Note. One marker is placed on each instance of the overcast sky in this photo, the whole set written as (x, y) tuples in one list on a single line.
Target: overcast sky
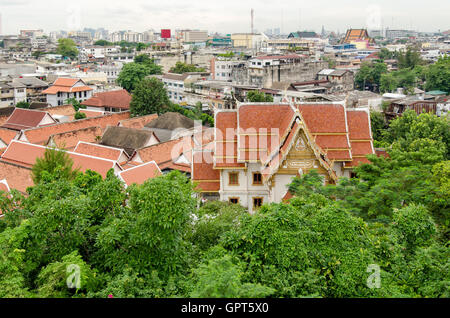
[(223, 16)]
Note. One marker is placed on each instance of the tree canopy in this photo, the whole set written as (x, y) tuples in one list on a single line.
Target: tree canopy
[(149, 97), (78, 235), (181, 68)]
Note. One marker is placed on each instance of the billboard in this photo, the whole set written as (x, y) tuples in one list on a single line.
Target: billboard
[(166, 34)]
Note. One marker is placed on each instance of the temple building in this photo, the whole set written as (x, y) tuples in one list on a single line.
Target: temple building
[(259, 147)]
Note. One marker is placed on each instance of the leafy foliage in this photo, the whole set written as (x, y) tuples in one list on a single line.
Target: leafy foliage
[(67, 48), (259, 97), (181, 68), (55, 163), (149, 97)]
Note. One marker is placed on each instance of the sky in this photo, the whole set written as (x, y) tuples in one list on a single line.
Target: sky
[(224, 16)]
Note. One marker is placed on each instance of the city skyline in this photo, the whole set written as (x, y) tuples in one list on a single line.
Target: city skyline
[(232, 16)]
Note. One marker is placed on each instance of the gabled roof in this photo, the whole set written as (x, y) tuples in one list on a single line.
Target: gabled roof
[(66, 85), (203, 172), (171, 121), (101, 151), (18, 177), (7, 135), (126, 138), (113, 99), (41, 135), (138, 122), (22, 119), (360, 136), (25, 155), (140, 174), (69, 140), (4, 186)]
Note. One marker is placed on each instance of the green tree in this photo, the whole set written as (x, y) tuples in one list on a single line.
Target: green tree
[(131, 75), (149, 97), (67, 48), (75, 103), (103, 43), (259, 97), (55, 163)]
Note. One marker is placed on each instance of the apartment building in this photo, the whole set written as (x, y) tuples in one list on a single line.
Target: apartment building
[(12, 93)]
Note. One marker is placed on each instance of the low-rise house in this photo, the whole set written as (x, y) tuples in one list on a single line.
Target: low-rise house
[(128, 139), (342, 80), (140, 174), (18, 177), (65, 88), (22, 119), (259, 148), (112, 102)]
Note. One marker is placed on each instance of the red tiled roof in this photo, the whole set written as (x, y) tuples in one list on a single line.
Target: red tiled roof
[(25, 119), (100, 151), (140, 174), (41, 135), (25, 155), (92, 113), (7, 135), (114, 99), (69, 140), (165, 153), (4, 186), (138, 122), (18, 177)]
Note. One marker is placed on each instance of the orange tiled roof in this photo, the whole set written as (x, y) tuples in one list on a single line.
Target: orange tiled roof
[(203, 172), (140, 174), (100, 151), (7, 135), (41, 135), (138, 122), (25, 155), (25, 119), (360, 136), (92, 113), (114, 99), (69, 140), (164, 154), (18, 177)]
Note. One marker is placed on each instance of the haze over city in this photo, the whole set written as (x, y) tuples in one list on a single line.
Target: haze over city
[(224, 17)]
